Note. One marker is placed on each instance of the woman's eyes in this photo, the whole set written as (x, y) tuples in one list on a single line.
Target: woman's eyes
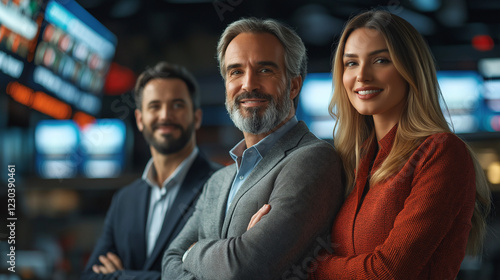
[(351, 63), (382, 60)]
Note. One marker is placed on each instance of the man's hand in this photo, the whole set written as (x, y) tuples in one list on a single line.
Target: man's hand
[(257, 216), (110, 264)]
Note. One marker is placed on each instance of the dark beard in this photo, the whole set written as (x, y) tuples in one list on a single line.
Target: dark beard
[(171, 145)]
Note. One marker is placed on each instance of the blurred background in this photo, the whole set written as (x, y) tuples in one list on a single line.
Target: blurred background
[(66, 111)]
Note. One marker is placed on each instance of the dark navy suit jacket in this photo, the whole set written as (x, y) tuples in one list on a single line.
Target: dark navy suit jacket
[(124, 230)]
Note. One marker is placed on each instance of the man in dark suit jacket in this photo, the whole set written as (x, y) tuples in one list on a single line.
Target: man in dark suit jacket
[(145, 216), (280, 167)]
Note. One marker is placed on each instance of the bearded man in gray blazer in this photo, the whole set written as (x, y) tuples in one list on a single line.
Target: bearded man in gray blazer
[(280, 167)]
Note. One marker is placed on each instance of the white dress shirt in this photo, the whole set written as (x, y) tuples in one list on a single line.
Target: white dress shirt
[(161, 199)]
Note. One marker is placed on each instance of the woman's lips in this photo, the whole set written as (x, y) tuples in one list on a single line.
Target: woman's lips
[(367, 93)]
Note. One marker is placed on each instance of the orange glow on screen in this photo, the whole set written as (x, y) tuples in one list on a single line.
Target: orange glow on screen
[(39, 101), (83, 119)]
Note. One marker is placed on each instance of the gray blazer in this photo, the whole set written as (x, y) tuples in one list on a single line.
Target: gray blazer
[(300, 178)]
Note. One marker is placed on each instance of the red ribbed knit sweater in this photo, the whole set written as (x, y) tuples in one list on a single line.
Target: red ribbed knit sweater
[(415, 225)]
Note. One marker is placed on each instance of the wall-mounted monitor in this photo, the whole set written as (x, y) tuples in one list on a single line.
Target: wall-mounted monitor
[(313, 104), (103, 148), (64, 150), (54, 48), (463, 94), (492, 103), (56, 144)]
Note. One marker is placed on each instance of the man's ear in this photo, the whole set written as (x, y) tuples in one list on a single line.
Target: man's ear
[(138, 119), (295, 86), (198, 117)]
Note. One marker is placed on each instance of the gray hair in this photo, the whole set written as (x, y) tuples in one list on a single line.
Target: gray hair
[(295, 51)]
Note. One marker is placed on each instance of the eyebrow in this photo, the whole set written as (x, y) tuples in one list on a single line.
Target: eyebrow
[(370, 54), (153, 102), (156, 101), (261, 63), (179, 100), (268, 63), (232, 66)]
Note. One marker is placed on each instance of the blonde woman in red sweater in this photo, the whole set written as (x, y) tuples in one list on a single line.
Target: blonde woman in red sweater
[(417, 198)]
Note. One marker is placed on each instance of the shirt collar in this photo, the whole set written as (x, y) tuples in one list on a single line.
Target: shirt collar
[(178, 176), (265, 144)]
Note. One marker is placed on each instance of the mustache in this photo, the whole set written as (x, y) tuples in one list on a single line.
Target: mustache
[(156, 126), (254, 94)]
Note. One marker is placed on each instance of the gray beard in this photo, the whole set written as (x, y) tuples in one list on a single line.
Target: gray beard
[(260, 122)]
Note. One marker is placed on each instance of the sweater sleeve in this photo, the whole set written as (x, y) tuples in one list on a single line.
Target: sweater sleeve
[(442, 195)]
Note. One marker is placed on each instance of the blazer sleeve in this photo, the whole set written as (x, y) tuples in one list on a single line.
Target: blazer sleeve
[(171, 266), (305, 196), (104, 244), (443, 188)]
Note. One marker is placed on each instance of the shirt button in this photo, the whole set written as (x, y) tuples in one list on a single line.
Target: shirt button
[(241, 177)]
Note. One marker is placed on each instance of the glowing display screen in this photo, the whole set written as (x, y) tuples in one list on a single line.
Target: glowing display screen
[(63, 150), (313, 104), (57, 48)]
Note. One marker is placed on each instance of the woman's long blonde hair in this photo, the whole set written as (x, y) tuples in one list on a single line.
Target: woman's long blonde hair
[(413, 60)]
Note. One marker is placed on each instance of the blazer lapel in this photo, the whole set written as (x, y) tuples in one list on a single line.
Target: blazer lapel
[(289, 141), (189, 190), (142, 215), (226, 182)]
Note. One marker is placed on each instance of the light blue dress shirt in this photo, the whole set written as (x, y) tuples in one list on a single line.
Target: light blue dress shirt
[(161, 199), (247, 158)]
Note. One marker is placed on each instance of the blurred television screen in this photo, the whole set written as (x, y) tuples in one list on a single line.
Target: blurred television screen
[(315, 97), (64, 150), (54, 50)]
